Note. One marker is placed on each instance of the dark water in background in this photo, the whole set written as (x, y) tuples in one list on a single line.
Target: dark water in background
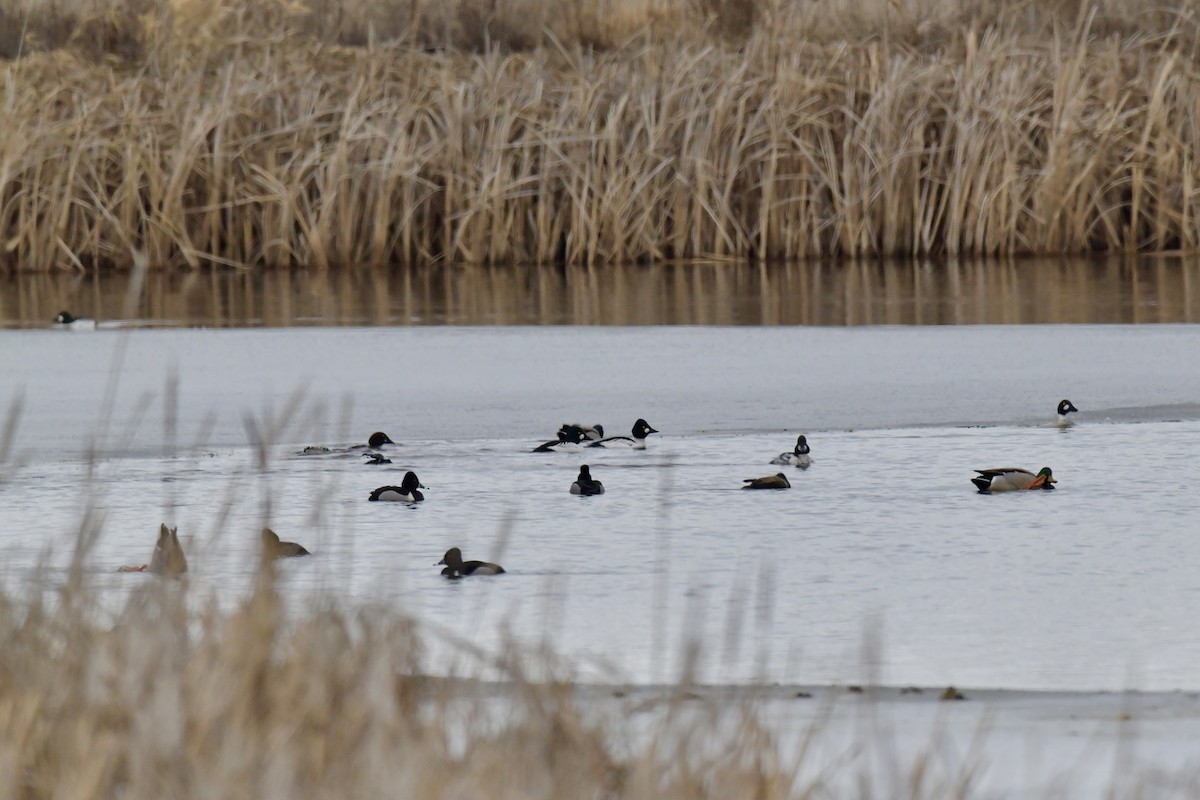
[(1145, 289)]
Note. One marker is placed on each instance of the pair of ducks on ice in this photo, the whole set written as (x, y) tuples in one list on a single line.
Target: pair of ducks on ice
[(169, 560)]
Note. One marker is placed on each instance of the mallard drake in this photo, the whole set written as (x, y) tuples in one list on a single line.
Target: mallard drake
[(406, 492), (1009, 479), (776, 481), (168, 558), (637, 440), (799, 457), (1064, 408), (455, 567), (585, 484), (274, 548)]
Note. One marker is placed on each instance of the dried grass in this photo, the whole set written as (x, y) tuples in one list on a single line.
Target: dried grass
[(504, 131)]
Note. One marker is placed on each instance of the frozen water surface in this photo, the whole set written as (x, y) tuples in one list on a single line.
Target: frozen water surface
[(880, 565)]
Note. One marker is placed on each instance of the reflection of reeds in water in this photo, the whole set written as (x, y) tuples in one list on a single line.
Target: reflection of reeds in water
[(532, 132), (1116, 290)]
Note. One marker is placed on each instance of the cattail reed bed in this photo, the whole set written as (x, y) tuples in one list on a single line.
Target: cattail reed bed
[(261, 134)]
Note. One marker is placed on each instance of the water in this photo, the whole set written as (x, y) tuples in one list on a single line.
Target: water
[(881, 564)]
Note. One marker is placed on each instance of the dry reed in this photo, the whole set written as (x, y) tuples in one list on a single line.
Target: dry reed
[(269, 133)]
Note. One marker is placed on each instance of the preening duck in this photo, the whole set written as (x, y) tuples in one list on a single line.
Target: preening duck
[(1065, 408), (641, 429), (799, 457), (455, 567), (585, 484), (1010, 479), (406, 492), (776, 481), (375, 458)]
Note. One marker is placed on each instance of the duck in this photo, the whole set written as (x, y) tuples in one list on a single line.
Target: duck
[(406, 492), (1008, 479), (585, 433), (569, 439), (274, 548), (455, 567), (776, 481), (168, 559), (379, 439), (799, 456), (1064, 408), (375, 458), (585, 484), (68, 321), (641, 429)]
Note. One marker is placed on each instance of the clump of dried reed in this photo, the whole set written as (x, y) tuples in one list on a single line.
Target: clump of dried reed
[(493, 131)]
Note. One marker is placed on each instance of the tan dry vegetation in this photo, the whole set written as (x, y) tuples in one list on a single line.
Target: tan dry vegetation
[(176, 703), (498, 131)]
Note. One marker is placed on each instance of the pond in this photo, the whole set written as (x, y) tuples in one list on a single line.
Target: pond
[(880, 564)]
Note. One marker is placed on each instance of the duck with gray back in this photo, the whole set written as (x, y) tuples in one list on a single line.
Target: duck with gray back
[(1012, 479), (776, 481), (636, 441), (585, 485), (1064, 408), (274, 548), (799, 457), (407, 492), (456, 568)]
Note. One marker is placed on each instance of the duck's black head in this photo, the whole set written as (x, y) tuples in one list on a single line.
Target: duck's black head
[(572, 434), (65, 318), (585, 473), (801, 446), (411, 483), (379, 439), (452, 560), (1066, 407), (642, 429)]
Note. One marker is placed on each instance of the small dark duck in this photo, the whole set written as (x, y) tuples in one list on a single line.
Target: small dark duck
[(585, 484), (455, 567), (406, 492)]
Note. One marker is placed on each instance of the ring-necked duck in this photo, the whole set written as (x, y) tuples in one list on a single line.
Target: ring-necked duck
[(455, 567), (406, 492)]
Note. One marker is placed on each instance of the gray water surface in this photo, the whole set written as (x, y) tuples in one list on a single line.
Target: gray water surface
[(881, 564)]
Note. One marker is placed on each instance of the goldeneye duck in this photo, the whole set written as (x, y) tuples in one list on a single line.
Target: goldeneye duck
[(375, 458), (455, 567), (274, 548), (583, 433), (1011, 479), (68, 321), (641, 429), (585, 484), (569, 439), (406, 492), (1064, 408), (776, 481), (799, 456)]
